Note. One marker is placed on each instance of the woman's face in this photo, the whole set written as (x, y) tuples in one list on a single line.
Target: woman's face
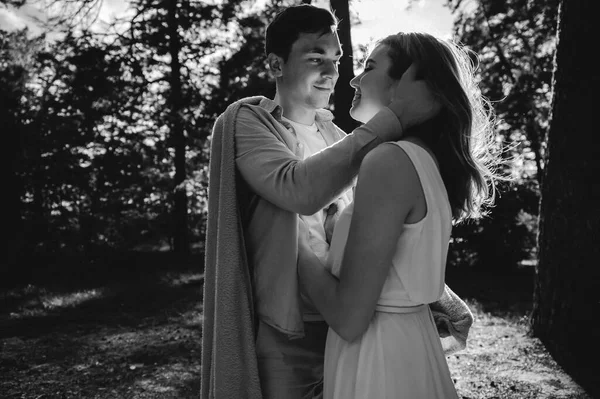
[(374, 87)]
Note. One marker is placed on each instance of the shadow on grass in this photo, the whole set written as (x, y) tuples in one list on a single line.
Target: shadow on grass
[(119, 326), (68, 295), (115, 306), (68, 273), (121, 292)]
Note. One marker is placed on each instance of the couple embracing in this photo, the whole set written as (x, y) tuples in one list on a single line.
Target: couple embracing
[(326, 250)]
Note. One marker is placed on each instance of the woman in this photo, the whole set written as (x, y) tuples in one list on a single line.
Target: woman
[(389, 246)]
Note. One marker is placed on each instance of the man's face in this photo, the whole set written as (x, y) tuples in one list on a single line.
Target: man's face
[(309, 75)]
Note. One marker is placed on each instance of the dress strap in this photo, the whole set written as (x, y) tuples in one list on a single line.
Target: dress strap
[(400, 309)]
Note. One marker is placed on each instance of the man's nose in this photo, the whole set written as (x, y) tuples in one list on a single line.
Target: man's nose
[(330, 70)]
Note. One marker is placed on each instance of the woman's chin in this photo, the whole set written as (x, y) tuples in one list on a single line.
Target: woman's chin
[(358, 116)]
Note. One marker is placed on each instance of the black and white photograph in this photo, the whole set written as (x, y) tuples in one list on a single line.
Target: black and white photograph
[(300, 199)]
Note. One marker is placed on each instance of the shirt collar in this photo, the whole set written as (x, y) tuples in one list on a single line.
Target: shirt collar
[(274, 109)]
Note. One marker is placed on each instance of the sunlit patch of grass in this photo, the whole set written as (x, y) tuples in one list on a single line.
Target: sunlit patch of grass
[(81, 367), (28, 313), (502, 360), (180, 279), (482, 315), (51, 302), (167, 379), (24, 291), (152, 385), (177, 371), (42, 302), (192, 318)]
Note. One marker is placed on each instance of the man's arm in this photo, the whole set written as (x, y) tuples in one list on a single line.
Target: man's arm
[(275, 173)]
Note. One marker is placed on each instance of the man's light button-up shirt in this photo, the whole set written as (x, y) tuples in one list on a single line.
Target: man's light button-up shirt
[(311, 141)]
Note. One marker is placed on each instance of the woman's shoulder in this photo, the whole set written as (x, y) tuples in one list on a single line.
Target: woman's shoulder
[(386, 155), (390, 164), (402, 151), (417, 148)]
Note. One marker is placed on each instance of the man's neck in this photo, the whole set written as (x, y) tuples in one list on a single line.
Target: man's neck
[(293, 112)]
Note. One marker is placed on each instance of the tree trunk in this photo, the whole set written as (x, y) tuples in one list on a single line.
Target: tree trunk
[(180, 237), (13, 155), (567, 284), (342, 98), (39, 234), (536, 137)]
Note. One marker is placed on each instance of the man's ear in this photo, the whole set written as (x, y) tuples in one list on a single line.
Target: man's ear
[(275, 63)]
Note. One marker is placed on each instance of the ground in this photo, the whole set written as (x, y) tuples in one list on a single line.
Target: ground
[(131, 328)]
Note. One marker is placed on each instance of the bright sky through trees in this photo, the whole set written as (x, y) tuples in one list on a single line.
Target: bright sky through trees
[(378, 18)]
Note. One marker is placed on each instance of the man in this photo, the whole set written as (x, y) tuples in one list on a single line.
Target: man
[(276, 163)]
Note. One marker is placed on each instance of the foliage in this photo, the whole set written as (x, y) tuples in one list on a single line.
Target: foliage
[(501, 241), (83, 155), (176, 42), (17, 54), (96, 169), (515, 44), (245, 72)]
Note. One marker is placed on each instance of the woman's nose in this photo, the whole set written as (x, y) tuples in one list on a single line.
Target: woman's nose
[(354, 82)]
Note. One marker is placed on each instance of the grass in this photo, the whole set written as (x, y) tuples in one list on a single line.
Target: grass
[(130, 327)]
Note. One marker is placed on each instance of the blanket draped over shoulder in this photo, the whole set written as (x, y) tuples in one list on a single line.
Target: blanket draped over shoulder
[(229, 364)]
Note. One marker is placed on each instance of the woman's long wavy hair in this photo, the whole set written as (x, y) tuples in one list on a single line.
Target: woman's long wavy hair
[(462, 136)]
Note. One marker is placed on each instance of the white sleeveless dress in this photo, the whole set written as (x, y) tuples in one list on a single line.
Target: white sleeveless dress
[(400, 355)]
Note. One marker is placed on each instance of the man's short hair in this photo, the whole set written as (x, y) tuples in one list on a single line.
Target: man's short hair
[(289, 23)]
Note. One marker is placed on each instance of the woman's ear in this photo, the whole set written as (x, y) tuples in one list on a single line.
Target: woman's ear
[(411, 73), (275, 64)]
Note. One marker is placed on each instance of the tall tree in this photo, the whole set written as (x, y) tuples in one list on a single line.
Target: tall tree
[(176, 43), (342, 98), (566, 306), (17, 55), (181, 240)]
